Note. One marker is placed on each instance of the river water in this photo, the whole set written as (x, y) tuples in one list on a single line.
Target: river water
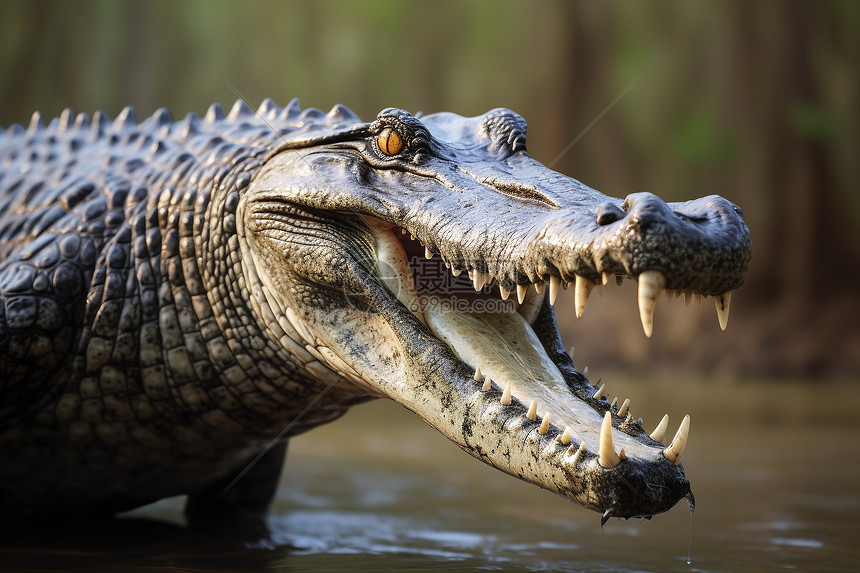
[(774, 466)]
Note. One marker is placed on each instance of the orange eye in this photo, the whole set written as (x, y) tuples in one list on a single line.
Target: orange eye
[(390, 142)]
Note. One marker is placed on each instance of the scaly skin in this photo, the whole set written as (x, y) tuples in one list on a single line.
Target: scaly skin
[(173, 296)]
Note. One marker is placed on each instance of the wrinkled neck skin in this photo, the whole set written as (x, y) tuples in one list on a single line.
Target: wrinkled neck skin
[(424, 269)]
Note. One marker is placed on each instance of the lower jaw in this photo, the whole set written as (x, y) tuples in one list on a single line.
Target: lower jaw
[(530, 423), (495, 339)]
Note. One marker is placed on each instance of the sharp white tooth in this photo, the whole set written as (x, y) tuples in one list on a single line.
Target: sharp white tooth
[(607, 456), (456, 272), (505, 292), (622, 411), (488, 384), (622, 454), (676, 448), (539, 287), (688, 298), (698, 299), (570, 352), (447, 265), (604, 278), (583, 291), (411, 236), (722, 302), (650, 285), (478, 376), (565, 437), (554, 282), (506, 395), (478, 280), (585, 371), (599, 288), (614, 402), (660, 430), (521, 292), (428, 253), (532, 413), (599, 392), (544, 425), (577, 454)]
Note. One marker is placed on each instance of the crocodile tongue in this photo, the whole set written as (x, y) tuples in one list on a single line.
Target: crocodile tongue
[(504, 349)]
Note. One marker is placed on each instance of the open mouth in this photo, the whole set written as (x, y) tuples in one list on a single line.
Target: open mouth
[(493, 332)]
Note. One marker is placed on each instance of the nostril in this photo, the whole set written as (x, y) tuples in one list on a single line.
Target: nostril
[(608, 213)]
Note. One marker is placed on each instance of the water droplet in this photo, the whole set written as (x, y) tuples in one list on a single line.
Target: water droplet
[(691, 502)]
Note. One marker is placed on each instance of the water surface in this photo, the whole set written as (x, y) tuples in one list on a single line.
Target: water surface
[(774, 467)]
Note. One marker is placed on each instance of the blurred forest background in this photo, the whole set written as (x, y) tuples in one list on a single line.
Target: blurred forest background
[(755, 101)]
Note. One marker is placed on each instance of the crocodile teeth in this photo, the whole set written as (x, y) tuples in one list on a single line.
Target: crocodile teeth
[(604, 278), (521, 292), (583, 290), (614, 402), (660, 430), (506, 395), (722, 302), (650, 285), (607, 456), (478, 280), (456, 272), (554, 283), (599, 392), (544, 425), (578, 452), (478, 375), (565, 437), (698, 299), (539, 287), (505, 292), (622, 411), (585, 371), (532, 413), (688, 297), (488, 384), (676, 448), (570, 352), (428, 253)]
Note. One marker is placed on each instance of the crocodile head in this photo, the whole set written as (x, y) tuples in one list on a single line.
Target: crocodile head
[(419, 258)]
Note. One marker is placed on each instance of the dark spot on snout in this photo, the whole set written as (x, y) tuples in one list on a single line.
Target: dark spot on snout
[(609, 213)]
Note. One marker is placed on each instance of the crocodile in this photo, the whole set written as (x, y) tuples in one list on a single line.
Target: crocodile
[(180, 298)]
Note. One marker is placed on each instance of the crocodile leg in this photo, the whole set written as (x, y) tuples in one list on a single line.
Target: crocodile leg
[(244, 503)]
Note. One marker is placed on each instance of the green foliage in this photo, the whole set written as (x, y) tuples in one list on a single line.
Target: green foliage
[(700, 139)]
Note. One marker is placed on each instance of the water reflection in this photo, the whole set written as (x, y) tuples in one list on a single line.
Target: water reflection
[(776, 478)]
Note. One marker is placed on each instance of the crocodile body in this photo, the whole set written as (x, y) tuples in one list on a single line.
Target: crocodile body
[(177, 297)]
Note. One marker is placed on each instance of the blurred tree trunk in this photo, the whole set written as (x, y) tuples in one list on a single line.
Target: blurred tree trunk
[(807, 238)]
